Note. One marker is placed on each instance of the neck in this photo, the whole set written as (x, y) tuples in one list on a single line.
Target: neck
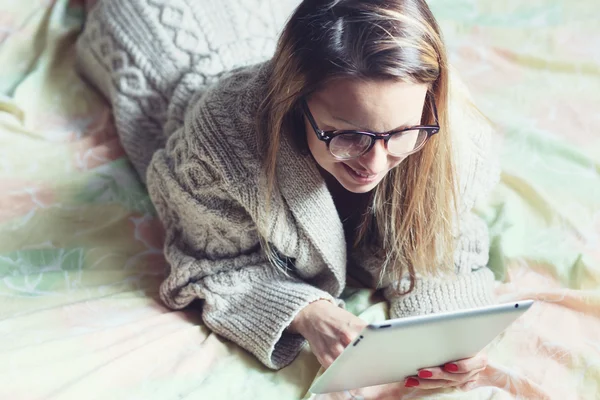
[(350, 206)]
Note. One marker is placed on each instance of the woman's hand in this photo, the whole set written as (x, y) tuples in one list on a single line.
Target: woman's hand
[(328, 328), (462, 373)]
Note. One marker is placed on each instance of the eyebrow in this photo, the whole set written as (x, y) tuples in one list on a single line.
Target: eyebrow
[(403, 126)]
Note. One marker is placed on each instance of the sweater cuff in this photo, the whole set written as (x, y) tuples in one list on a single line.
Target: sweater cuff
[(257, 317), (469, 290)]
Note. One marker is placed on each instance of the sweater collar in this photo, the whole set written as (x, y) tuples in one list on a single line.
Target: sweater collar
[(309, 200)]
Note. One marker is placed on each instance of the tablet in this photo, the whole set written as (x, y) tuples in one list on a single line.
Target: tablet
[(392, 350)]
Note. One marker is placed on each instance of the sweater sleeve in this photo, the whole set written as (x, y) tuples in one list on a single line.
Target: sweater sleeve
[(471, 286), (215, 255)]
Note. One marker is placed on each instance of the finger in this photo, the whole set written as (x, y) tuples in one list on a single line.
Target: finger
[(325, 361), (346, 337), (329, 357), (440, 374), (472, 377), (414, 382), (470, 385), (466, 365), (337, 350)]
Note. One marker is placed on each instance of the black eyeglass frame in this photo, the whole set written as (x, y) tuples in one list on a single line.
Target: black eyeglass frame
[(328, 136)]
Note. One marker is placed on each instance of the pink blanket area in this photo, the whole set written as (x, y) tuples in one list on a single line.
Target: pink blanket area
[(81, 247)]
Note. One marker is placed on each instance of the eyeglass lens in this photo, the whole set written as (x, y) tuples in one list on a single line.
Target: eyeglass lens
[(350, 145)]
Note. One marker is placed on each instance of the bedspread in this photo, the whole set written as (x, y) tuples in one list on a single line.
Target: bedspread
[(80, 244)]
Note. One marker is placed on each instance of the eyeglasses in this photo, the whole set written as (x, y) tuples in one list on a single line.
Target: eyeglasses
[(349, 144)]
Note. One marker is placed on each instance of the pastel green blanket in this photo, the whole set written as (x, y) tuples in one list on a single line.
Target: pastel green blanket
[(80, 245)]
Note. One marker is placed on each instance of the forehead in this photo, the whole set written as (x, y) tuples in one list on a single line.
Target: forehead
[(376, 105)]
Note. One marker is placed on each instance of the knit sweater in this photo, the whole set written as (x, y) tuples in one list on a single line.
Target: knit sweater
[(193, 138)]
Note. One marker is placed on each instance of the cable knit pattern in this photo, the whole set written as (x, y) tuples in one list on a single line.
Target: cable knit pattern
[(151, 57), (193, 137)]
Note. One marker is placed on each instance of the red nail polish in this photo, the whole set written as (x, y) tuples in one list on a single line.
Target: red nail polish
[(425, 374), (451, 367), (411, 382)]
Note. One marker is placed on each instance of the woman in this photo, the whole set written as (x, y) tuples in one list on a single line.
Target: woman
[(342, 154)]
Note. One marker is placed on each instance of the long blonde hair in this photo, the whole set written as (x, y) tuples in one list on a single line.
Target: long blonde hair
[(409, 219)]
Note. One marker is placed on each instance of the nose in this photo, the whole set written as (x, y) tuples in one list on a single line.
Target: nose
[(376, 159)]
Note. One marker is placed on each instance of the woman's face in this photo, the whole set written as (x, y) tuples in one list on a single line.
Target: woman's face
[(373, 106)]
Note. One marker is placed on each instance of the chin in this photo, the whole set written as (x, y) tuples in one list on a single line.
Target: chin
[(357, 188)]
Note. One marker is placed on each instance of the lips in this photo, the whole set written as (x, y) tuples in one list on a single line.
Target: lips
[(364, 174), (361, 176)]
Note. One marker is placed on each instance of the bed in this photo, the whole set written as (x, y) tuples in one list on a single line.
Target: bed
[(80, 244)]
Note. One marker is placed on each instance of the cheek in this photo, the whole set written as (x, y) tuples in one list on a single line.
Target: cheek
[(393, 162)]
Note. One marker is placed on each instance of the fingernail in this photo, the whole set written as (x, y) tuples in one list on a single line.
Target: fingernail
[(425, 374), (451, 367), (411, 382)]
